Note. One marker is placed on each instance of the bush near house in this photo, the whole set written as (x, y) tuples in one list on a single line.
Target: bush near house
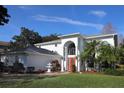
[(8, 69), (55, 66), (120, 67), (30, 70), (1, 66), (39, 71), (73, 68), (18, 67), (114, 72)]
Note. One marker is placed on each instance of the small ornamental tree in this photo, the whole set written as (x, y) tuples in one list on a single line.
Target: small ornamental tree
[(55, 66)]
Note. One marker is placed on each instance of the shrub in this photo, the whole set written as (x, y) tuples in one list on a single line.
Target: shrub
[(120, 67), (10, 69), (18, 67), (30, 69), (1, 66), (55, 66), (90, 64), (114, 72), (39, 71), (73, 68)]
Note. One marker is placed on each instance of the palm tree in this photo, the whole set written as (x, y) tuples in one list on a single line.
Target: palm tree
[(90, 52), (100, 52), (108, 53), (120, 54)]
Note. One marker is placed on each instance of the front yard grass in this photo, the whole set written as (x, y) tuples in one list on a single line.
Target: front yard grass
[(74, 80)]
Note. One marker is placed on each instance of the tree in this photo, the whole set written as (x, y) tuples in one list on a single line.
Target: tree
[(108, 53), (101, 54), (108, 29), (50, 37), (90, 52), (3, 15), (121, 40), (27, 37), (121, 54)]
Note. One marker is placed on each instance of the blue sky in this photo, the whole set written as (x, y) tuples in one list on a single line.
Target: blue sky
[(46, 20)]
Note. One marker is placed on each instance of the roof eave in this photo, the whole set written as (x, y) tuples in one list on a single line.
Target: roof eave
[(70, 35), (100, 36)]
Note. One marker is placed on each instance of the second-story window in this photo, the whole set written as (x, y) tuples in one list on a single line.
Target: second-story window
[(71, 49)]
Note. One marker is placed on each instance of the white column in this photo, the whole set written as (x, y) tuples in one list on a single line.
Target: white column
[(76, 64), (76, 57), (79, 65), (65, 62), (62, 65)]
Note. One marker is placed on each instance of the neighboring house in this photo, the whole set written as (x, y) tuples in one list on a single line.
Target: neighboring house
[(3, 45), (70, 47), (31, 57)]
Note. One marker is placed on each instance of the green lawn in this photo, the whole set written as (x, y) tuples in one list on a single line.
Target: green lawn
[(63, 81)]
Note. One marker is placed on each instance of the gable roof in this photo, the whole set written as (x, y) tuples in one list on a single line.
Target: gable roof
[(49, 42), (33, 49), (39, 50)]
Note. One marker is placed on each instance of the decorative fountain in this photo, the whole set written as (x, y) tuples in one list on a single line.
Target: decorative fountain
[(49, 67)]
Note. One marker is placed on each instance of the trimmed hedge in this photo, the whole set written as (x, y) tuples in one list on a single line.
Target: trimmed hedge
[(114, 72)]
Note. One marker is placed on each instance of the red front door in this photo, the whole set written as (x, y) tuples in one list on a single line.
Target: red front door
[(71, 62)]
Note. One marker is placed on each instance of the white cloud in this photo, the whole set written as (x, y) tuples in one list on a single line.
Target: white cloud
[(66, 20), (23, 7), (98, 13)]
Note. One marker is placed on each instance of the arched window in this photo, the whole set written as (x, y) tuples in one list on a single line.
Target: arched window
[(71, 49)]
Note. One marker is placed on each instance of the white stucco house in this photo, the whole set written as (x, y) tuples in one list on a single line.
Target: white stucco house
[(66, 50), (70, 46)]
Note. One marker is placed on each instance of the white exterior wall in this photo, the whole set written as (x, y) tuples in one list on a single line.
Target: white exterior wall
[(40, 61), (109, 40), (11, 59), (54, 48), (32, 60)]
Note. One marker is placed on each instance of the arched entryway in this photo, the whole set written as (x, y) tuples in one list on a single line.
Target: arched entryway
[(70, 55)]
